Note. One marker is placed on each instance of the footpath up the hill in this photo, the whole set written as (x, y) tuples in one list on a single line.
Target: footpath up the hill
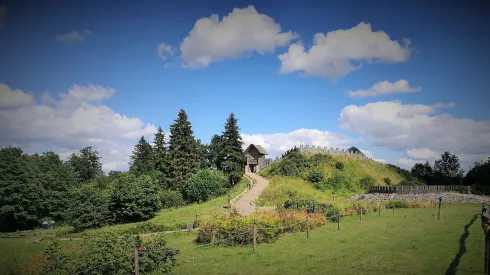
[(244, 204)]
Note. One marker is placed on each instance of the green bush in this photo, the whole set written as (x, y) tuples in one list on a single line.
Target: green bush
[(293, 165), (367, 182), (204, 185), (315, 176), (318, 159), (387, 181), (397, 204), (108, 247), (312, 206), (134, 199), (339, 165), (171, 198), (89, 207)]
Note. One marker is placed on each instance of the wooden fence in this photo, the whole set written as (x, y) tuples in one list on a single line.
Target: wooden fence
[(420, 189)]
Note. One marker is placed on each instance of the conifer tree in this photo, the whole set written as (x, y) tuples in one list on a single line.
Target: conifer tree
[(232, 158), (160, 152), (86, 165), (142, 158), (183, 152), (215, 151)]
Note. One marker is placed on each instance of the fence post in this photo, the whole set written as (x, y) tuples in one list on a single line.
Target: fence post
[(213, 237), (361, 215), (255, 238), (136, 262), (379, 209), (439, 212), (229, 205), (485, 226), (338, 220), (307, 228), (393, 208)]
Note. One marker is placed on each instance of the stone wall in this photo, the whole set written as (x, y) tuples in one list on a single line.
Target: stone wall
[(311, 149)]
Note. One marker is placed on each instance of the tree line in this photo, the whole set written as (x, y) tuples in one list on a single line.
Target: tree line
[(162, 174), (447, 171)]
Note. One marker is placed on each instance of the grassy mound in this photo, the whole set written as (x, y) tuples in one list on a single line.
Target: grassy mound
[(320, 177)]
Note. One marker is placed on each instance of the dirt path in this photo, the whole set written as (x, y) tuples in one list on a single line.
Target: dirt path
[(244, 205)]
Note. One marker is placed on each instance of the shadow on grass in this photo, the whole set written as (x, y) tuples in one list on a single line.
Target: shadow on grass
[(451, 270)]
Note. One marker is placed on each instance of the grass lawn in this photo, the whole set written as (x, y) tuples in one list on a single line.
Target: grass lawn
[(23, 249), (411, 241)]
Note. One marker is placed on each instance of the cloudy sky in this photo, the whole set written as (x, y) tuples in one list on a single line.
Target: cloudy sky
[(403, 81)]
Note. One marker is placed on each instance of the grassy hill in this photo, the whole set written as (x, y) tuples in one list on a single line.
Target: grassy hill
[(341, 176)]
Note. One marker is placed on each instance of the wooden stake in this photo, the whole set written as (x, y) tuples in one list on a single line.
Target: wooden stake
[(393, 208), (213, 237), (136, 262), (338, 220), (255, 238), (439, 212), (307, 228), (229, 205), (379, 209), (361, 215)]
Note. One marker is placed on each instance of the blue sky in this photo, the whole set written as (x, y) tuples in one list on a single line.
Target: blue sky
[(102, 55)]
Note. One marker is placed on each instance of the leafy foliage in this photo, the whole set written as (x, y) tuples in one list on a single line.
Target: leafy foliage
[(448, 166), (111, 252), (339, 165), (134, 198), (86, 165), (204, 185), (171, 198), (367, 182), (387, 181), (315, 176), (479, 177), (293, 165), (89, 207)]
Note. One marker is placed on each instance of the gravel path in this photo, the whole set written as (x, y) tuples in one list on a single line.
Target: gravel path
[(244, 205), (447, 197)]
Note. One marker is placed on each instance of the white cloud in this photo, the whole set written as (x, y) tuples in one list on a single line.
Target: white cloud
[(278, 143), (74, 36), (417, 131), (163, 50), (72, 123), (46, 98), (334, 55), (241, 32), (385, 88), (444, 105), (14, 98)]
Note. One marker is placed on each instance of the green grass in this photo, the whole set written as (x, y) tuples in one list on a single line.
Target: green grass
[(23, 249), (411, 241)]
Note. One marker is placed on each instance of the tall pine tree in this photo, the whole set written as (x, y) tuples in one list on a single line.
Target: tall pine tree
[(160, 151), (86, 165), (214, 152), (183, 151), (232, 158), (142, 158)]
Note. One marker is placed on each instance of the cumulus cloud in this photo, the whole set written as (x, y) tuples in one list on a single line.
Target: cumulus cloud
[(163, 50), (336, 53), (74, 36), (417, 131), (278, 143), (241, 32), (14, 98), (74, 121), (385, 88)]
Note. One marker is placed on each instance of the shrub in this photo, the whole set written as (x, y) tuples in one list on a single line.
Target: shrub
[(367, 182), (204, 185), (134, 198), (387, 181), (171, 198), (107, 247), (293, 165), (315, 176), (339, 165), (318, 159), (89, 207), (397, 204), (238, 230), (312, 206), (336, 183)]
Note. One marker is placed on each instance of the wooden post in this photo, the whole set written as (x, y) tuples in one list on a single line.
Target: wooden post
[(255, 238), (229, 205), (307, 228), (361, 215), (393, 208), (338, 220), (439, 212), (379, 209), (484, 219), (213, 237), (136, 262)]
